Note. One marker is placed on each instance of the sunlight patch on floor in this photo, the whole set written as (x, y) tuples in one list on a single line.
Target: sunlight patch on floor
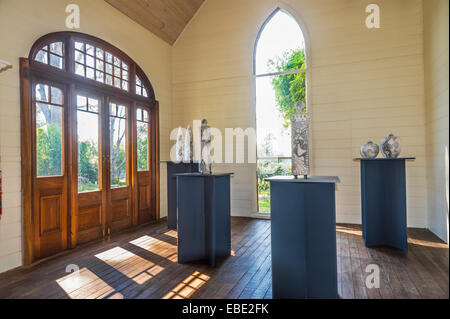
[(188, 287), (155, 246), (75, 285), (426, 243), (172, 233), (347, 230), (129, 264)]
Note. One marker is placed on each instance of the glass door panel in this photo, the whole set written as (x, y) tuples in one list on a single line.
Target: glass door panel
[(144, 173), (119, 192), (118, 144), (88, 123), (49, 130), (91, 193), (143, 138)]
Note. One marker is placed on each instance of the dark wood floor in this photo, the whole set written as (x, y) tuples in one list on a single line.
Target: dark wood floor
[(143, 264)]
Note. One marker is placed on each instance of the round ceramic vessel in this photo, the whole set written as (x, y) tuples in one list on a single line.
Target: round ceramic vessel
[(370, 150), (390, 146)]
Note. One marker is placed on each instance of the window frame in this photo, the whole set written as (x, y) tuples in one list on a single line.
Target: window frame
[(33, 72)]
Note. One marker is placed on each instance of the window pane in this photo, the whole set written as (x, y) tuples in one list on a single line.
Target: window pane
[(118, 151), (56, 48), (117, 71), (89, 49), (117, 82), (108, 57), (100, 53), (100, 65), (79, 46), (108, 79), (42, 56), (79, 57), (42, 93), (79, 69), (266, 169), (145, 116), (108, 68), (48, 140), (93, 105), (88, 154), (142, 145), (125, 85), (81, 102), (90, 61), (99, 76), (56, 61), (57, 96), (90, 73)]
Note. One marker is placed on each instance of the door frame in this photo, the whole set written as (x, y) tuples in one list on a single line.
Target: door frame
[(29, 69)]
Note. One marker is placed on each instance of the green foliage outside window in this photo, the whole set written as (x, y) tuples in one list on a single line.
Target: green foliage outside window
[(289, 88), (87, 166), (49, 150)]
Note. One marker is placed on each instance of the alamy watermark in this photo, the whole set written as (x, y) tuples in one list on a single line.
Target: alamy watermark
[(373, 19), (73, 19), (229, 150), (373, 279)]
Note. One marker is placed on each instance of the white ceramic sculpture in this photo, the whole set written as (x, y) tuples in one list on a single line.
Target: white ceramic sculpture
[(205, 148), (179, 146), (188, 147)]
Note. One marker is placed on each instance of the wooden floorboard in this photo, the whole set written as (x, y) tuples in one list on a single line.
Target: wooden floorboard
[(143, 264)]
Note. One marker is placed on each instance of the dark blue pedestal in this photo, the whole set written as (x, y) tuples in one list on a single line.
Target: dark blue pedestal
[(204, 217), (304, 260), (383, 202), (172, 169)]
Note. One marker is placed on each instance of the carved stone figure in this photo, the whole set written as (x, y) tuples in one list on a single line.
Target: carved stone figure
[(205, 148), (300, 135), (188, 146), (179, 146)]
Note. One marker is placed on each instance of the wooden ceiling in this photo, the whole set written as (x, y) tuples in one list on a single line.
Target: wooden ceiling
[(165, 18)]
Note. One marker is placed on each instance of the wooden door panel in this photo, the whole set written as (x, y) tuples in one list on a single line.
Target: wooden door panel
[(50, 220), (145, 208), (120, 208), (90, 225), (89, 217), (50, 212)]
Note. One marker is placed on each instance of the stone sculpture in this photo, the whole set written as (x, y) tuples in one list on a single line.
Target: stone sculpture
[(205, 148), (300, 135)]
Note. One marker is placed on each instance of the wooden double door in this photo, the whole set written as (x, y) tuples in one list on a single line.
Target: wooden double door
[(93, 166)]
